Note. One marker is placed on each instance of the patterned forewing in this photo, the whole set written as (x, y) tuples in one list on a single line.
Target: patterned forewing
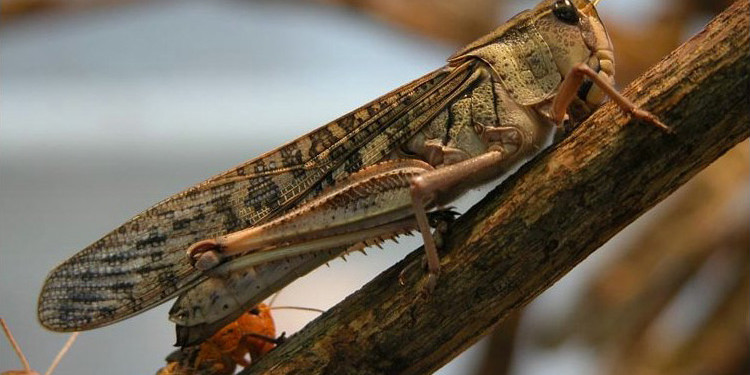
[(135, 266), (143, 262)]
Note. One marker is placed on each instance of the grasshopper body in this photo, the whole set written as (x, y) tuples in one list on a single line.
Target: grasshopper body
[(368, 176)]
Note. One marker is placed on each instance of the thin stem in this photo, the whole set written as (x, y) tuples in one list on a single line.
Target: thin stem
[(15, 346), (62, 352)]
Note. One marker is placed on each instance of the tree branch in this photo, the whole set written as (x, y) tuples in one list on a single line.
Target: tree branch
[(542, 221)]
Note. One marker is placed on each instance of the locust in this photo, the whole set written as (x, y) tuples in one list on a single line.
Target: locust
[(385, 169)]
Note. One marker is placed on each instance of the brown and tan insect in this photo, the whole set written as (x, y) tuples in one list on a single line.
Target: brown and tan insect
[(24, 362), (382, 170)]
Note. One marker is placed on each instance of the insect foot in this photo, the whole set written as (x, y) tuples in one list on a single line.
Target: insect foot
[(440, 220), (429, 286), (649, 117)]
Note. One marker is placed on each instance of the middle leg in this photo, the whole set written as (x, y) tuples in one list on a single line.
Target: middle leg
[(428, 185)]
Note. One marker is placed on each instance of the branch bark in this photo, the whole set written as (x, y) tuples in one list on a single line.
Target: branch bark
[(630, 294), (544, 220)]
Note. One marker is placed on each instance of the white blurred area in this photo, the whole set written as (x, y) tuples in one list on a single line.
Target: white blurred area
[(107, 111)]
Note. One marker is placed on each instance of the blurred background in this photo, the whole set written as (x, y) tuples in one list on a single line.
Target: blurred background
[(109, 106)]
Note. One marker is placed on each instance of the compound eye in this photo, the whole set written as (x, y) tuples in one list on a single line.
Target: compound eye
[(565, 11)]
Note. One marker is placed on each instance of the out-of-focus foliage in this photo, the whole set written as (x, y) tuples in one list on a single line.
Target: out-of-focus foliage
[(457, 21), (676, 300), (639, 47), (13, 9)]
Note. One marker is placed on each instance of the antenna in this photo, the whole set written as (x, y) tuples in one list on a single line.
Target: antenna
[(297, 308)]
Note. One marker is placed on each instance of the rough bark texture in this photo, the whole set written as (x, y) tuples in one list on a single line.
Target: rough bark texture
[(631, 293), (542, 221)]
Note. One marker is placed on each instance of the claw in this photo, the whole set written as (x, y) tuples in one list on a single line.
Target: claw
[(429, 286), (401, 278), (651, 118), (402, 274), (447, 215), (438, 235)]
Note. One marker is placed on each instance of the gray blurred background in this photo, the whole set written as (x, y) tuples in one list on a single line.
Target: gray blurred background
[(107, 109)]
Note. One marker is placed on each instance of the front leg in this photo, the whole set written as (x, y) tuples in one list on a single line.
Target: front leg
[(574, 79)]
